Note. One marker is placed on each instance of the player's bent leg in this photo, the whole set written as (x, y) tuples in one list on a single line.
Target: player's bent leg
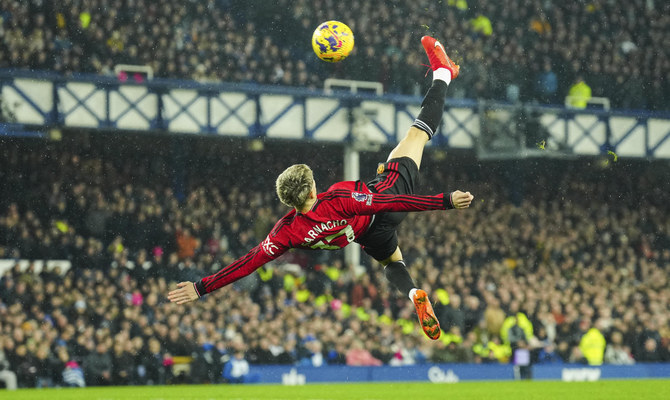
[(432, 107), (424, 126), (396, 272), (411, 146), (396, 256)]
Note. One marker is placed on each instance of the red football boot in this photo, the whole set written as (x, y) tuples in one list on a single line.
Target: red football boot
[(438, 56), (427, 318)]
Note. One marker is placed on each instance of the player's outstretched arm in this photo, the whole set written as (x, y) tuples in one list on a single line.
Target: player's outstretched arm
[(461, 199), (184, 293), (360, 203), (254, 259), (272, 247)]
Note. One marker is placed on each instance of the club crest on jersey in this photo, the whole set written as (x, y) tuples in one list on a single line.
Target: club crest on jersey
[(362, 197), (380, 168)]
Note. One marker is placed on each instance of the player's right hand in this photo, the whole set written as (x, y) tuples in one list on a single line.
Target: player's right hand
[(184, 293), (461, 199)]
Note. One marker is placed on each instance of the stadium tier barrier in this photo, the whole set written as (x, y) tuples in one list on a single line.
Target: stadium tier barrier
[(453, 373), (35, 104)]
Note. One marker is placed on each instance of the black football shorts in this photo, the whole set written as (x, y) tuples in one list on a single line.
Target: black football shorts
[(396, 176)]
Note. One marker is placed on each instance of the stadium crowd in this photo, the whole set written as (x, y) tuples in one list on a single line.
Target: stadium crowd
[(575, 272), (530, 50)]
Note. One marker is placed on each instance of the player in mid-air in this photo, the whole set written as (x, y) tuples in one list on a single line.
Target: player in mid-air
[(355, 211)]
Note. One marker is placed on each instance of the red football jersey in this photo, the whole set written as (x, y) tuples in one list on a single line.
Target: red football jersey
[(340, 215)]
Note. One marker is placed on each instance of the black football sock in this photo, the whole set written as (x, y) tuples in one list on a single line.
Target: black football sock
[(432, 108), (396, 272)]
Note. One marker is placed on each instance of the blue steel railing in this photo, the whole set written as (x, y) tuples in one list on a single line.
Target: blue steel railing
[(34, 102)]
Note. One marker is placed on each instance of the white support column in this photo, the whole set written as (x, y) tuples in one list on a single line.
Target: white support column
[(352, 172), (352, 167)]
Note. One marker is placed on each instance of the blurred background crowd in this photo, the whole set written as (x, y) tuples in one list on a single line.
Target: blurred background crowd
[(528, 50), (566, 260)]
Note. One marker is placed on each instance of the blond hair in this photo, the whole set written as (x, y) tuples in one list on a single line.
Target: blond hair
[(294, 184)]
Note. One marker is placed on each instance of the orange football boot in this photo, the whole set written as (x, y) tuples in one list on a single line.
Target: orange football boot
[(438, 56), (427, 319)]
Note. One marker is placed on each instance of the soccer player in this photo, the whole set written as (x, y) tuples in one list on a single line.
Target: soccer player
[(365, 213)]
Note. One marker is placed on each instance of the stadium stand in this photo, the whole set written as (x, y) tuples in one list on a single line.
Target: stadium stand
[(528, 50), (568, 261)]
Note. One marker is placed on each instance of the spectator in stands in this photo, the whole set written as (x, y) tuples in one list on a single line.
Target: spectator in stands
[(47, 366), (473, 312), (314, 356), (651, 352), (207, 363), (549, 355), (481, 25), (516, 335), (186, 244), (154, 366), (288, 354), (73, 376), (452, 314), (616, 353), (546, 85), (451, 352), (579, 93), (358, 355), (7, 376), (26, 367), (123, 362), (236, 370), (494, 316), (260, 353), (98, 366), (337, 355)]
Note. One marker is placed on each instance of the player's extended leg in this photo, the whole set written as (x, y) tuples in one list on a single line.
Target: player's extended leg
[(425, 125), (396, 272), (422, 130), (399, 177)]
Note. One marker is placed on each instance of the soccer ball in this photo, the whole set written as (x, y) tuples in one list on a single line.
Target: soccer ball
[(332, 41)]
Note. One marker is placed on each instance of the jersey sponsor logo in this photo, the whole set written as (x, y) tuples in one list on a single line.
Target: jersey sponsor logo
[(580, 374), (362, 197), (293, 378), (437, 375), (269, 247)]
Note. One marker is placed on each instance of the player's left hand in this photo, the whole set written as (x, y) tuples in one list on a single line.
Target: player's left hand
[(461, 199), (184, 293)]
